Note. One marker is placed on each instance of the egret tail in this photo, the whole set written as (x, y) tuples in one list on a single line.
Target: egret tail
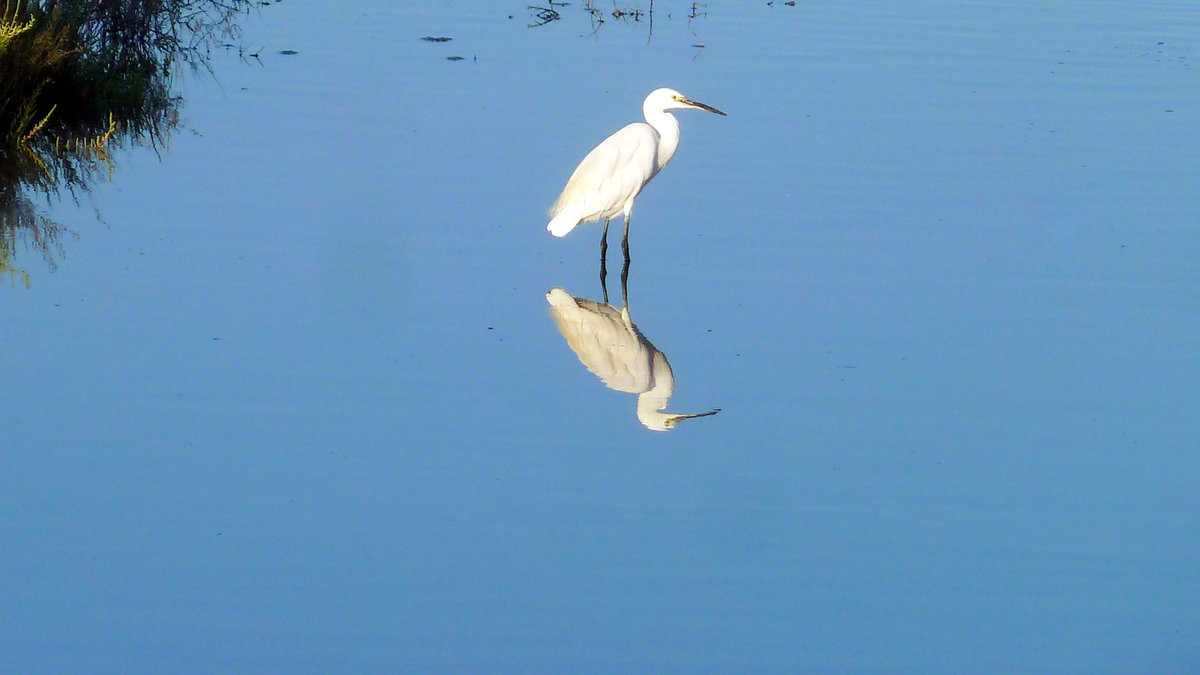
[(563, 223)]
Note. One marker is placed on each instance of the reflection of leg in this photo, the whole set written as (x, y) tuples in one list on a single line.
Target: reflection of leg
[(624, 284), (604, 260), (625, 267)]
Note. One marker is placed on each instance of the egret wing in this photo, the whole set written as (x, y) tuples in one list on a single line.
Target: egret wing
[(611, 174)]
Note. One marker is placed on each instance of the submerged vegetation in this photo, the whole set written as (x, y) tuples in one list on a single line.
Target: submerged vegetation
[(78, 77)]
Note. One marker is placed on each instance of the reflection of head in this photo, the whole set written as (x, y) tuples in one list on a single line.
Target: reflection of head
[(613, 349)]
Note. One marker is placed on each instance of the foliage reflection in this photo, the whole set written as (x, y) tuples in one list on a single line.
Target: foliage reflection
[(81, 78)]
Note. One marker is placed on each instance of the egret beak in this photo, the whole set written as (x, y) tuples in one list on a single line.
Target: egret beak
[(697, 104), (671, 421)]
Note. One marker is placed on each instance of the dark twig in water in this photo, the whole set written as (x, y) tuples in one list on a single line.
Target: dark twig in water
[(631, 13), (650, 32), (624, 14), (544, 15), (595, 15)]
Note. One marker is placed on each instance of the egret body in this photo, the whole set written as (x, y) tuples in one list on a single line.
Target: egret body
[(614, 172)]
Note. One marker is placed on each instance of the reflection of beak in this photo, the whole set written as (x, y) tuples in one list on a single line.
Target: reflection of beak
[(697, 104), (675, 419)]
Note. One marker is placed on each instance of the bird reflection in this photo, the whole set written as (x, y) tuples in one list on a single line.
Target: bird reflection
[(613, 349)]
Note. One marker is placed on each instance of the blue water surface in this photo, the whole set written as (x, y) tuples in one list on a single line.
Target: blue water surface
[(291, 399)]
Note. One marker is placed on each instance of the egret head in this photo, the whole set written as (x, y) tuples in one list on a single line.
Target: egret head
[(664, 99)]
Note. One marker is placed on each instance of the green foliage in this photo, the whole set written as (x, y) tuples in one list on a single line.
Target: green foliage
[(35, 50), (77, 76), (87, 59)]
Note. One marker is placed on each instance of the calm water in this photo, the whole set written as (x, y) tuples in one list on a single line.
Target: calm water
[(295, 401)]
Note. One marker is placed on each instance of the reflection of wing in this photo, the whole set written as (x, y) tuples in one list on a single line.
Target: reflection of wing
[(605, 341), (613, 349)]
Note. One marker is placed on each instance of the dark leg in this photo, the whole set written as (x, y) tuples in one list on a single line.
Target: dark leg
[(624, 284), (604, 261), (625, 267), (625, 241)]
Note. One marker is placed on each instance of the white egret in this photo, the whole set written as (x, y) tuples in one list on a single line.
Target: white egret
[(614, 172)]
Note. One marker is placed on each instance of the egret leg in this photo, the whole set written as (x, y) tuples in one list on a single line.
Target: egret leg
[(625, 241)]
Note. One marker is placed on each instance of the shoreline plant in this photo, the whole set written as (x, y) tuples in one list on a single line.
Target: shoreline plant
[(78, 77)]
